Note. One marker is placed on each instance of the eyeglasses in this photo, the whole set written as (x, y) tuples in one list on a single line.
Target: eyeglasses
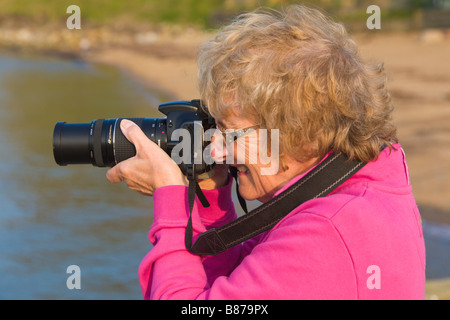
[(230, 136)]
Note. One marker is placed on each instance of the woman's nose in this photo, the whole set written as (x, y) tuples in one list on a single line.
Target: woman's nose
[(218, 148)]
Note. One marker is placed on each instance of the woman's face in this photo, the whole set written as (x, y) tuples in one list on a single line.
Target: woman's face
[(249, 154)]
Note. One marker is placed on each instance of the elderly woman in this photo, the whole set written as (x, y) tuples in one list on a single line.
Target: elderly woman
[(298, 72)]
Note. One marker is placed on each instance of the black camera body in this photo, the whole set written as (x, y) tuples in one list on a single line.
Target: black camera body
[(102, 143)]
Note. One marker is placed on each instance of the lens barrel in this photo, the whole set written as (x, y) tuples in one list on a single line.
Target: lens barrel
[(101, 142)]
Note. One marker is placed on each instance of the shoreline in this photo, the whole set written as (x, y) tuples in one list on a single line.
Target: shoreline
[(175, 77), (164, 58)]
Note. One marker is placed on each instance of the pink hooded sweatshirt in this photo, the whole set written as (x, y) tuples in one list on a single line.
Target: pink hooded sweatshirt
[(362, 241)]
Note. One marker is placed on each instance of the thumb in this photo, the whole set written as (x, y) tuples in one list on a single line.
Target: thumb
[(133, 133)]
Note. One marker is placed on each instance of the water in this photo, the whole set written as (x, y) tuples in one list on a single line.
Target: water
[(52, 217), (437, 245)]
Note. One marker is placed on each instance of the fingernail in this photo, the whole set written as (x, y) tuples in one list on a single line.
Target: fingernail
[(125, 124)]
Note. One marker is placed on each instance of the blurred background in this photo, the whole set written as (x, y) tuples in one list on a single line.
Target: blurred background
[(128, 57)]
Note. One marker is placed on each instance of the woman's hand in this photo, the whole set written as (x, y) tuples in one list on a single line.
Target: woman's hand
[(151, 167)]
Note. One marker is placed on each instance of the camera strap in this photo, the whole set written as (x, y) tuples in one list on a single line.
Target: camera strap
[(319, 182), (193, 190)]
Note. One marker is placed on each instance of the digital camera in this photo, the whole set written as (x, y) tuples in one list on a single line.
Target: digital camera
[(102, 143)]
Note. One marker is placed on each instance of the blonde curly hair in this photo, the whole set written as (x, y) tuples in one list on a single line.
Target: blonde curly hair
[(298, 71)]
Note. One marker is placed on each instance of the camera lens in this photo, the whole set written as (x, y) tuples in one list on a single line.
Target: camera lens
[(71, 143), (101, 142)]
